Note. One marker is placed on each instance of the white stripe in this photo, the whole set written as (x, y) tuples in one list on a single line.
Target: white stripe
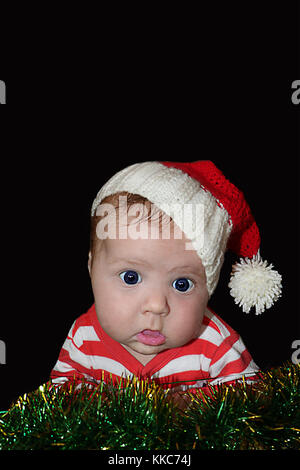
[(222, 328), (182, 364), (59, 380), (208, 333), (231, 355), (62, 367), (248, 372), (91, 379), (62, 380), (89, 386), (95, 362), (85, 333)]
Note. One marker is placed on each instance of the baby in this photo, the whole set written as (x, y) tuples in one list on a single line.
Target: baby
[(159, 231)]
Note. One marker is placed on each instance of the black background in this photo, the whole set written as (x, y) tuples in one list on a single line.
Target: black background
[(161, 85)]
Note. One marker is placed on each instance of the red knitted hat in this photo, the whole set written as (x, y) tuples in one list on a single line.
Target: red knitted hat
[(244, 239)]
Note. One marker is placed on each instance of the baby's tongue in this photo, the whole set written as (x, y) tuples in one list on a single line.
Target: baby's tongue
[(151, 337)]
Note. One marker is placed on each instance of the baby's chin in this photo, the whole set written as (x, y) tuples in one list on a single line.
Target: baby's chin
[(146, 349)]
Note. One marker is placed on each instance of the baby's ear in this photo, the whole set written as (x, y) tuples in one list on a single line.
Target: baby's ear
[(90, 262)]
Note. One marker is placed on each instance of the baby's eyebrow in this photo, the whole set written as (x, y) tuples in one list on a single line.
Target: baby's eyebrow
[(130, 261), (142, 262), (188, 269), (178, 268)]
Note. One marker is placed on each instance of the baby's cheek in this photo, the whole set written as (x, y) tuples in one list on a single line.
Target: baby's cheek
[(193, 325), (184, 330)]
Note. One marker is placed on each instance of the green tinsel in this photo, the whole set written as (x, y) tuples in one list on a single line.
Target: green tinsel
[(142, 416)]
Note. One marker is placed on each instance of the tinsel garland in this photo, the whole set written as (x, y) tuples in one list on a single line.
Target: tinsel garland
[(142, 416)]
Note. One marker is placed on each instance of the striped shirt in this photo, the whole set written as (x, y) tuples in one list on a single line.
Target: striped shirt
[(218, 355)]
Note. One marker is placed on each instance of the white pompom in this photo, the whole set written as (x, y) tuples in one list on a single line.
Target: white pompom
[(254, 284)]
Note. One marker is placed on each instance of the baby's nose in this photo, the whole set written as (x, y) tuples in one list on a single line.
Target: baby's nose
[(156, 303)]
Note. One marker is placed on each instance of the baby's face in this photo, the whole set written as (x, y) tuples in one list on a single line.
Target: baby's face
[(150, 295)]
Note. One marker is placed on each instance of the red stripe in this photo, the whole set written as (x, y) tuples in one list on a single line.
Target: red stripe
[(191, 376), (209, 322), (224, 348), (64, 356)]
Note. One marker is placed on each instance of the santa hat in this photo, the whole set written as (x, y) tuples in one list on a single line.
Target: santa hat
[(228, 223)]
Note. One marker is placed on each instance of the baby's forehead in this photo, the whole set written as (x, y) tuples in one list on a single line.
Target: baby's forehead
[(160, 253)]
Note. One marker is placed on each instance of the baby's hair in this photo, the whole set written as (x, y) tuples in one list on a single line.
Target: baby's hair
[(95, 242)]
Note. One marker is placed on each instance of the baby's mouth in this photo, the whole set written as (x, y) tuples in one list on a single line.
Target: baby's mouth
[(151, 337)]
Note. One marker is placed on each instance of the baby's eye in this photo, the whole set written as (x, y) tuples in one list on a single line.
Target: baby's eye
[(130, 277), (183, 284)]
